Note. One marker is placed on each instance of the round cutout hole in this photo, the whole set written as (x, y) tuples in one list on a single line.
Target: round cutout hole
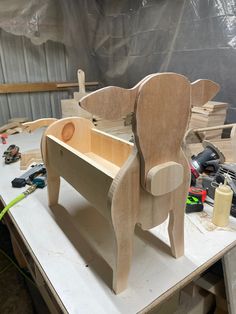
[(67, 131)]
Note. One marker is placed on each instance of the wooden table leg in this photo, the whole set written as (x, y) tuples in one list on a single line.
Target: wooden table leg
[(229, 267)]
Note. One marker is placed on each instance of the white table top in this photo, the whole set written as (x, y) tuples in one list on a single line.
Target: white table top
[(54, 239)]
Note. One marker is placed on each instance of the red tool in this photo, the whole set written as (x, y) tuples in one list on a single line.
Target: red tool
[(3, 137), (198, 192)]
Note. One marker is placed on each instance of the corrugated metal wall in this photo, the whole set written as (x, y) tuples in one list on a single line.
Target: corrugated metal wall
[(21, 61)]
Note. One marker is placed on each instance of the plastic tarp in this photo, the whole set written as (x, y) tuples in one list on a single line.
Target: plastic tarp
[(119, 42)]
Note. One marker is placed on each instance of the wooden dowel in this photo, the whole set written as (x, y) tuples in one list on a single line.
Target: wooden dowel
[(217, 127), (39, 87)]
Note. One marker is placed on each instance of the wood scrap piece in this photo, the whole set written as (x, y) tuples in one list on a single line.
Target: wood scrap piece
[(216, 127), (9, 126), (81, 82), (14, 130), (202, 91), (29, 157), (211, 114), (36, 124), (39, 87), (70, 107)]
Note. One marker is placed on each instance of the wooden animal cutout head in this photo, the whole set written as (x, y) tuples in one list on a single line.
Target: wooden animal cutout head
[(162, 112), (161, 103), (203, 91)]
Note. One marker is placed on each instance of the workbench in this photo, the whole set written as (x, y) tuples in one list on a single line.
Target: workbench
[(74, 279)]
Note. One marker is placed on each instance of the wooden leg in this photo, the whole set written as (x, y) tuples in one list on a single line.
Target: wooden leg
[(53, 187), (123, 256), (176, 220), (176, 231), (124, 196)]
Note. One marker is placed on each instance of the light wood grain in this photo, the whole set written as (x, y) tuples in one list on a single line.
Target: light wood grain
[(162, 100), (216, 127), (110, 147), (202, 91), (29, 157), (107, 171), (163, 97), (212, 114), (70, 107), (124, 205), (10, 125), (111, 102), (229, 269), (36, 124), (39, 87), (164, 178)]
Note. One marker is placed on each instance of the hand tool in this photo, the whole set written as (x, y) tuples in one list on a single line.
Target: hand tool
[(206, 161), (12, 154), (29, 176)]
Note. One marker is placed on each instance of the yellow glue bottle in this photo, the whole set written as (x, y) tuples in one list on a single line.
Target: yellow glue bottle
[(222, 204)]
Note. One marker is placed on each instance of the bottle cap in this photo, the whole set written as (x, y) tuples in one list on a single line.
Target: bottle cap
[(224, 187)]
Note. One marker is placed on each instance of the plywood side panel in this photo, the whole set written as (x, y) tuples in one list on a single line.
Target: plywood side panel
[(111, 148)]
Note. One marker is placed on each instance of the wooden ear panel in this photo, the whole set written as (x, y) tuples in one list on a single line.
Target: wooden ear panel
[(203, 91), (111, 102), (162, 112)]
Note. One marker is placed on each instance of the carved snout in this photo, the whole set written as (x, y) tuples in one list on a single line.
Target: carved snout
[(164, 178)]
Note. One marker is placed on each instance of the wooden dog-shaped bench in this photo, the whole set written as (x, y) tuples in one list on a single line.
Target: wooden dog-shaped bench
[(129, 184)]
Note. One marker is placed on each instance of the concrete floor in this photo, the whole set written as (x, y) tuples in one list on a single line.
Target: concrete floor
[(14, 294)]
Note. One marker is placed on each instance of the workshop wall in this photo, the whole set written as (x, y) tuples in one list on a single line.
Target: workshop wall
[(22, 61), (117, 42), (197, 38)]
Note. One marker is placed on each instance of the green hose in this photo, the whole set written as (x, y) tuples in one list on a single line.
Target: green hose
[(12, 203), (20, 197)]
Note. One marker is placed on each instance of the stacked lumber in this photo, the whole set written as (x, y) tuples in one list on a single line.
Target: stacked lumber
[(211, 114)]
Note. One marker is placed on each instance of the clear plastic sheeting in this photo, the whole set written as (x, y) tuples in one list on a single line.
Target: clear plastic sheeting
[(38, 20), (119, 42), (197, 38)]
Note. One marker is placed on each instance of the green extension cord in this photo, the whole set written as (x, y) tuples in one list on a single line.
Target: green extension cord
[(16, 200)]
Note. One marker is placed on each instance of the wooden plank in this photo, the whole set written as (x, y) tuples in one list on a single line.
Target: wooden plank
[(70, 107), (110, 147), (229, 267), (217, 127), (39, 87), (10, 125)]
